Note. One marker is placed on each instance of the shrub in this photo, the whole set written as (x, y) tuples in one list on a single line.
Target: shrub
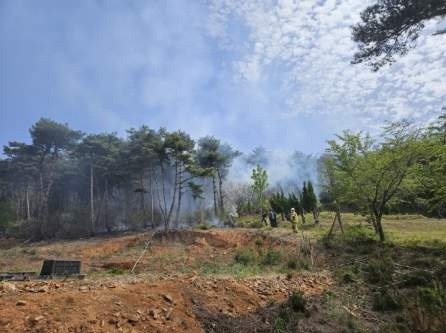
[(116, 271), (379, 271), (297, 302), (347, 275), (203, 226), (298, 263), (427, 312), (245, 256), (271, 258), (418, 278), (386, 300)]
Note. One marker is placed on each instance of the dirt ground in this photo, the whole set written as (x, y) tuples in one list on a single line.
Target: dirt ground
[(187, 281)]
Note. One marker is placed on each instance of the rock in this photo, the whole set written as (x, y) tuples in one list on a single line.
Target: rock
[(168, 298), (168, 315), (43, 289), (154, 313), (20, 303), (84, 289), (132, 319), (9, 287), (113, 321), (37, 319)]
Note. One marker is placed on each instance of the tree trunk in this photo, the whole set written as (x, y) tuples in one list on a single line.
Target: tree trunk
[(92, 198), (215, 195), (220, 189), (316, 216), (106, 217), (180, 194), (338, 214), (28, 211), (151, 198), (379, 226), (141, 197), (302, 215)]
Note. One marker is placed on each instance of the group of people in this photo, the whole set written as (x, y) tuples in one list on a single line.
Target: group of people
[(272, 217)]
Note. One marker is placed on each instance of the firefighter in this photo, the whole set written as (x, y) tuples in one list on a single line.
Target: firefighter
[(294, 219), (272, 218)]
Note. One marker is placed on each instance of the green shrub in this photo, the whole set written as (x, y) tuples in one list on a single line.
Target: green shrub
[(298, 263), (427, 312), (245, 256), (203, 226), (280, 325), (347, 274), (433, 299), (259, 242), (379, 271), (271, 258), (116, 271), (297, 301), (292, 263), (418, 278), (387, 300)]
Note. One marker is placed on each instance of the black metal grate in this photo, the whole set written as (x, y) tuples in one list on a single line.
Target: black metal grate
[(60, 267)]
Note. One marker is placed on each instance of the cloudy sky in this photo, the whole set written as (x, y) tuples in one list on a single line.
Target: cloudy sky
[(272, 73)]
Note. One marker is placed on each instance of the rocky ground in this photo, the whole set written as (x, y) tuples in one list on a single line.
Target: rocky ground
[(219, 280)]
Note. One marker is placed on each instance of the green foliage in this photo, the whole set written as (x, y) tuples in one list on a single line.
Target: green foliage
[(116, 271), (347, 274), (387, 300), (390, 27), (379, 270), (418, 278), (297, 302), (271, 258), (245, 256), (259, 184)]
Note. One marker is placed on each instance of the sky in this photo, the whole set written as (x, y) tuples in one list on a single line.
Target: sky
[(271, 73)]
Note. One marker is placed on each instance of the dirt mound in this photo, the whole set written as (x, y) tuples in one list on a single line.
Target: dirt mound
[(190, 237)]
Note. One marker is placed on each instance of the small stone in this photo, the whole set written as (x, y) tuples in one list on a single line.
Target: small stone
[(37, 319), (20, 303), (132, 319), (154, 313), (168, 298)]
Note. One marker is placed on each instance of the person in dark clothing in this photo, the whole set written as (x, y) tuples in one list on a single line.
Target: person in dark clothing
[(272, 218), (264, 216)]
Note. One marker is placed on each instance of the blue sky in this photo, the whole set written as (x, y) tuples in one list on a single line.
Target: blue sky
[(271, 73)]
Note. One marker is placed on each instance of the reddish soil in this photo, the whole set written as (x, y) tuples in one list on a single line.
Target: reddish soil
[(159, 298)]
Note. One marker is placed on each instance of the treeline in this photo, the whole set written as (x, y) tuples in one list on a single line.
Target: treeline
[(69, 184), (403, 171)]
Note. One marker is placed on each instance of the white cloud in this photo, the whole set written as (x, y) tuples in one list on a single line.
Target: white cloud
[(311, 42)]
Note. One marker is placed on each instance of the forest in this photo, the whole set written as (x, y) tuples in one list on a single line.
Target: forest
[(69, 184)]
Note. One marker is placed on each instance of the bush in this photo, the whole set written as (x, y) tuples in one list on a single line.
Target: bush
[(386, 300), (297, 302), (419, 278), (298, 263), (116, 271), (203, 226), (347, 274), (271, 258), (245, 256), (379, 271), (427, 313)]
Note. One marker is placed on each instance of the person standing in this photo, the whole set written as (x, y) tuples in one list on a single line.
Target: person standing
[(294, 219), (272, 218)]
